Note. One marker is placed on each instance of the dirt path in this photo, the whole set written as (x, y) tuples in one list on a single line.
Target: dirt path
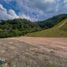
[(63, 24)]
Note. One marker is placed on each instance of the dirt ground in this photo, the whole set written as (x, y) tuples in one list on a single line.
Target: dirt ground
[(28, 50), (59, 45)]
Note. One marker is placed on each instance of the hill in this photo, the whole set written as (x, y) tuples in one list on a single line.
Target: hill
[(59, 30), (51, 21), (21, 27), (17, 27)]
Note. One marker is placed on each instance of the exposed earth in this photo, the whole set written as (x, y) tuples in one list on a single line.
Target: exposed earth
[(33, 52)]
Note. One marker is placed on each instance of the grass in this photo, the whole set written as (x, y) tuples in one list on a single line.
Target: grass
[(59, 30)]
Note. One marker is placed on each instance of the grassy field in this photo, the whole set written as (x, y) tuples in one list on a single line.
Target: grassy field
[(59, 30)]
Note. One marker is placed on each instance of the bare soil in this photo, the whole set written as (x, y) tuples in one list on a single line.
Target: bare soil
[(57, 44), (33, 52)]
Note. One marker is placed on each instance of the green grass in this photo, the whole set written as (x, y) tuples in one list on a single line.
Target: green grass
[(59, 30)]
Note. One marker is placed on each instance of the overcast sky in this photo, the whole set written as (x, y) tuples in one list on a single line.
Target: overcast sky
[(32, 9)]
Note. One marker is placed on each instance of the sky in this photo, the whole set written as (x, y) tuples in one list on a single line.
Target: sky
[(34, 10)]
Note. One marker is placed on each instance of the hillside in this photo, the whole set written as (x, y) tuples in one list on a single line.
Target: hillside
[(59, 30), (52, 21), (21, 27), (17, 27)]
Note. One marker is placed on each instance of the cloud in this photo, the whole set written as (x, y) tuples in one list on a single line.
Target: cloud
[(12, 13), (37, 9), (8, 1), (65, 1), (26, 17), (2, 9), (7, 14), (36, 6), (49, 1)]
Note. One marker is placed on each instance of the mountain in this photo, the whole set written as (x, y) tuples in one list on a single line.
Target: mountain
[(17, 27), (56, 28)]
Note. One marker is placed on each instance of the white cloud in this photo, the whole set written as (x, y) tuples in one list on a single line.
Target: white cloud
[(7, 1), (37, 9), (2, 9), (34, 9), (49, 1), (12, 13), (65, 1), (25, 17), (4, 14)]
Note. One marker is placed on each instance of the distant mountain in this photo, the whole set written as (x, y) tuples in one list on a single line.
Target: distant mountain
[(56, 28)]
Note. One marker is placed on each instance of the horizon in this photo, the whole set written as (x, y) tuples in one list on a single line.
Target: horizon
[(36, 10)]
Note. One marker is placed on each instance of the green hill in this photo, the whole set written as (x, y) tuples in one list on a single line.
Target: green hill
[(52, 27), (59, 30), (51, 21), (17, 27)]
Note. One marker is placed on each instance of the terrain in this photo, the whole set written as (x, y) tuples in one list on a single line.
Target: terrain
[(33, 52), (52, 27), (17, 27), (58, 30)]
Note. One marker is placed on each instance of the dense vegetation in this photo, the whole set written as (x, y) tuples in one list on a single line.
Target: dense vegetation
[(52, 21), (17, 27)]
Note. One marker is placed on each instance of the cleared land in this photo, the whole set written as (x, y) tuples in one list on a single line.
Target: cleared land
[(33, 52)]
